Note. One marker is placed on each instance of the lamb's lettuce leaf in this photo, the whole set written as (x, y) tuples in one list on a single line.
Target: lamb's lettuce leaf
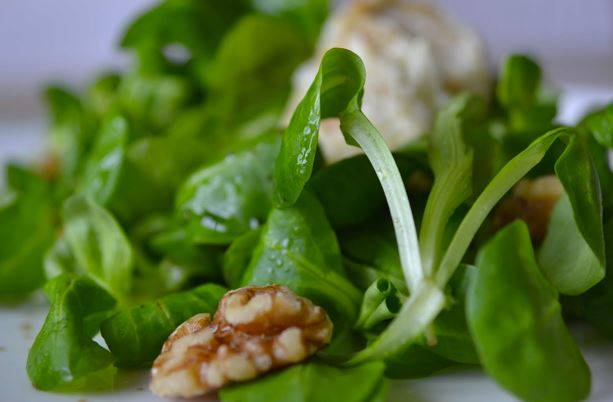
[(63, 355), (313, 381), (135, 336), (452, 163), (298, 249), (99, 245), (226, 199), (516, 322), (27, 225)]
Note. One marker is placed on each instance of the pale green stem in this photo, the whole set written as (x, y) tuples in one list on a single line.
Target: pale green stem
[(510, 174), (422, 307), (357, 127)]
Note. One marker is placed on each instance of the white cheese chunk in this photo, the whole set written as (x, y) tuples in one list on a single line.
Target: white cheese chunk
[(416, 57)]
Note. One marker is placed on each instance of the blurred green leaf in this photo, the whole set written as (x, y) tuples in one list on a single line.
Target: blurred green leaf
[(99, 245), (135, 336), (64, 356), (516, 322)]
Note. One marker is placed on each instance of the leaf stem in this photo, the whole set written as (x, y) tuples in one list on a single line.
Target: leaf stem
[(357, 127), (510, 174), (422, 307)]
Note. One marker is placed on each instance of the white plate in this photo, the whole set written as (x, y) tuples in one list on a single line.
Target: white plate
[(19, 323)]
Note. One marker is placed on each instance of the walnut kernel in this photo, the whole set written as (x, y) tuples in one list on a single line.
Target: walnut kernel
[(255, 330)]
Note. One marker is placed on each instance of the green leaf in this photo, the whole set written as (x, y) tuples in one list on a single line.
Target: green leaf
[(63, 355), (516, 322), (506, 178), (135, 336), (157, 157), (339, 81), (453, 339), (59, 259), (185, 264), (565, 257), (25, 180), (381, 302), (381, 393), (311, 381), (307, 16), (357, 181), (487, 141), (106, 160), (576, 220), (101, 94), (252, 71), (519, 82), (414, 361), (420, 309), (151, 172), (71, 130), (597, 301), (99, 245), (577, 173), (363, 275), (337, 91), (357, 127), (575, 169), (153, 102), (196, 26), (228, 198), (374, 246), (452, 163), (298, 249), (237, 257), (600, 125), (599, 155), (429, 303), (530, 108), (165, 261), (26, 231)]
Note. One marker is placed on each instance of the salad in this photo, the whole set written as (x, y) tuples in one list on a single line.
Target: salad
[(179, 217)]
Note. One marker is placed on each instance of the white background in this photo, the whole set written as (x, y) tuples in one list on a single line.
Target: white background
[(71, 40)]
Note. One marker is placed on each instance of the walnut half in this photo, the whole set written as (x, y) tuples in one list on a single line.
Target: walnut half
[(255, 330), (532, 201)]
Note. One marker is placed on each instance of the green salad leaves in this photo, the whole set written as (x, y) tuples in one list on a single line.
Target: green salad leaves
[(298, 249), (135, 336), (451, 161), (175, 181), (314, 382), (26, 232), (222, 201), (516, 322), (63, 355), (99, 245)]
